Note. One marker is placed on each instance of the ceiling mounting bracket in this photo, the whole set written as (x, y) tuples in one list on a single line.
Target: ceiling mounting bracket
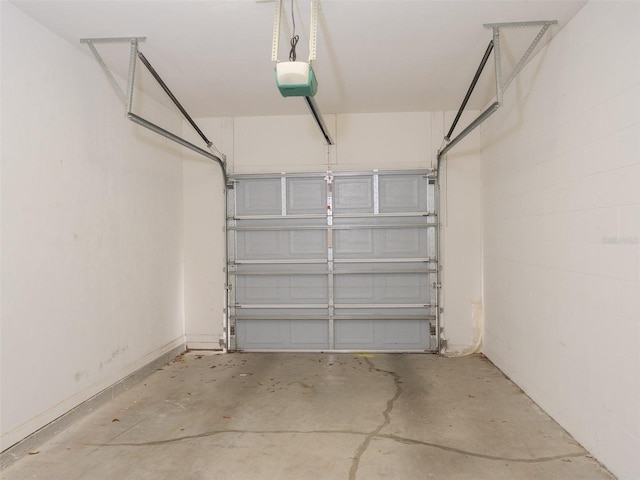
[(313, 30), (501, 86), (544, 24), (128, 96), (90, 43)]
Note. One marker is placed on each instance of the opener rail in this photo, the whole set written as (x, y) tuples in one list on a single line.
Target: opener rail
[(311, 103)]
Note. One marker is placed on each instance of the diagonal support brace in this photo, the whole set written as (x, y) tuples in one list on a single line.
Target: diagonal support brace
[(114, 83), (544, 24), (501, 86), (128, 97)]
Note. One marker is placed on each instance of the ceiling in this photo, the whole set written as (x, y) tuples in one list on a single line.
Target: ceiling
[(372, 55)]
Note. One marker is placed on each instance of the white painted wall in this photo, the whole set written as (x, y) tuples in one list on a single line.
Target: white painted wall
[(461, 238), (91, 224), (294, 144), (204, 236), (561, 181)]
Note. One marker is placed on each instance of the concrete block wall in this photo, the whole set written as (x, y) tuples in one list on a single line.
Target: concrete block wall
[(91, 272), (561, 188)]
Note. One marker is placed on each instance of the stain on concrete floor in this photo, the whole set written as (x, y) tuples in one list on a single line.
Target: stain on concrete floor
[(316, 416)]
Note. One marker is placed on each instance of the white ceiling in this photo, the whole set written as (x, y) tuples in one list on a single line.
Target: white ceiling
[(372, 56)]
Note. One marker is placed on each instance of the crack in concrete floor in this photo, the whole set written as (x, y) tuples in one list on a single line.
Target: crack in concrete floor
[(368, 436), (391, 394), (386, 415)]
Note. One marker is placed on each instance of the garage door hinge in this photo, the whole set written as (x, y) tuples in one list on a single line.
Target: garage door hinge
[(436, 285), (228, 287)]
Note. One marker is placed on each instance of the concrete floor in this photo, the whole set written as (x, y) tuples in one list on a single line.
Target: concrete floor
[(315, 416)]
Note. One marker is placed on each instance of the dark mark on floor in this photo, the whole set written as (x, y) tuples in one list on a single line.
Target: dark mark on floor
[(395, 438)]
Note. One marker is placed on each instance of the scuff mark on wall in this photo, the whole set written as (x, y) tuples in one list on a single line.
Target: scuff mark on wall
[(79, 376), (117, 353)]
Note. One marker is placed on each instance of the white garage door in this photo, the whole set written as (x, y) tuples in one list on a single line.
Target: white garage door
[(332, 262)]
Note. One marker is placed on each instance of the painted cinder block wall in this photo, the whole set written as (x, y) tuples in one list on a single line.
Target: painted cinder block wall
[(384, 141), (91, 231), (561, 195)]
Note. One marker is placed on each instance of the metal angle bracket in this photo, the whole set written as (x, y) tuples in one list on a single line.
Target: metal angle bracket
[(544, 26), (127, 98), (501, 86), (276, 31), (313, 30), (114, 83)]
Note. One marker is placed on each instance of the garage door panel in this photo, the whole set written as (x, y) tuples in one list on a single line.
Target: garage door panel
[(396, 242), (306, 196), (262, 333), (394, 335), (353, 195), (411, 288), (382, 288), (267, 244), (281, 289), (308, 244), (279, 268), (259, 197), (405, 332), (402, 193), (308, 288), (333, 262), (353, 243), (258, 245), (291, 334), (355, 332), (354, 289), (258, 290), (309, 332), (275, 312), (350, 311), (381, 243)]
